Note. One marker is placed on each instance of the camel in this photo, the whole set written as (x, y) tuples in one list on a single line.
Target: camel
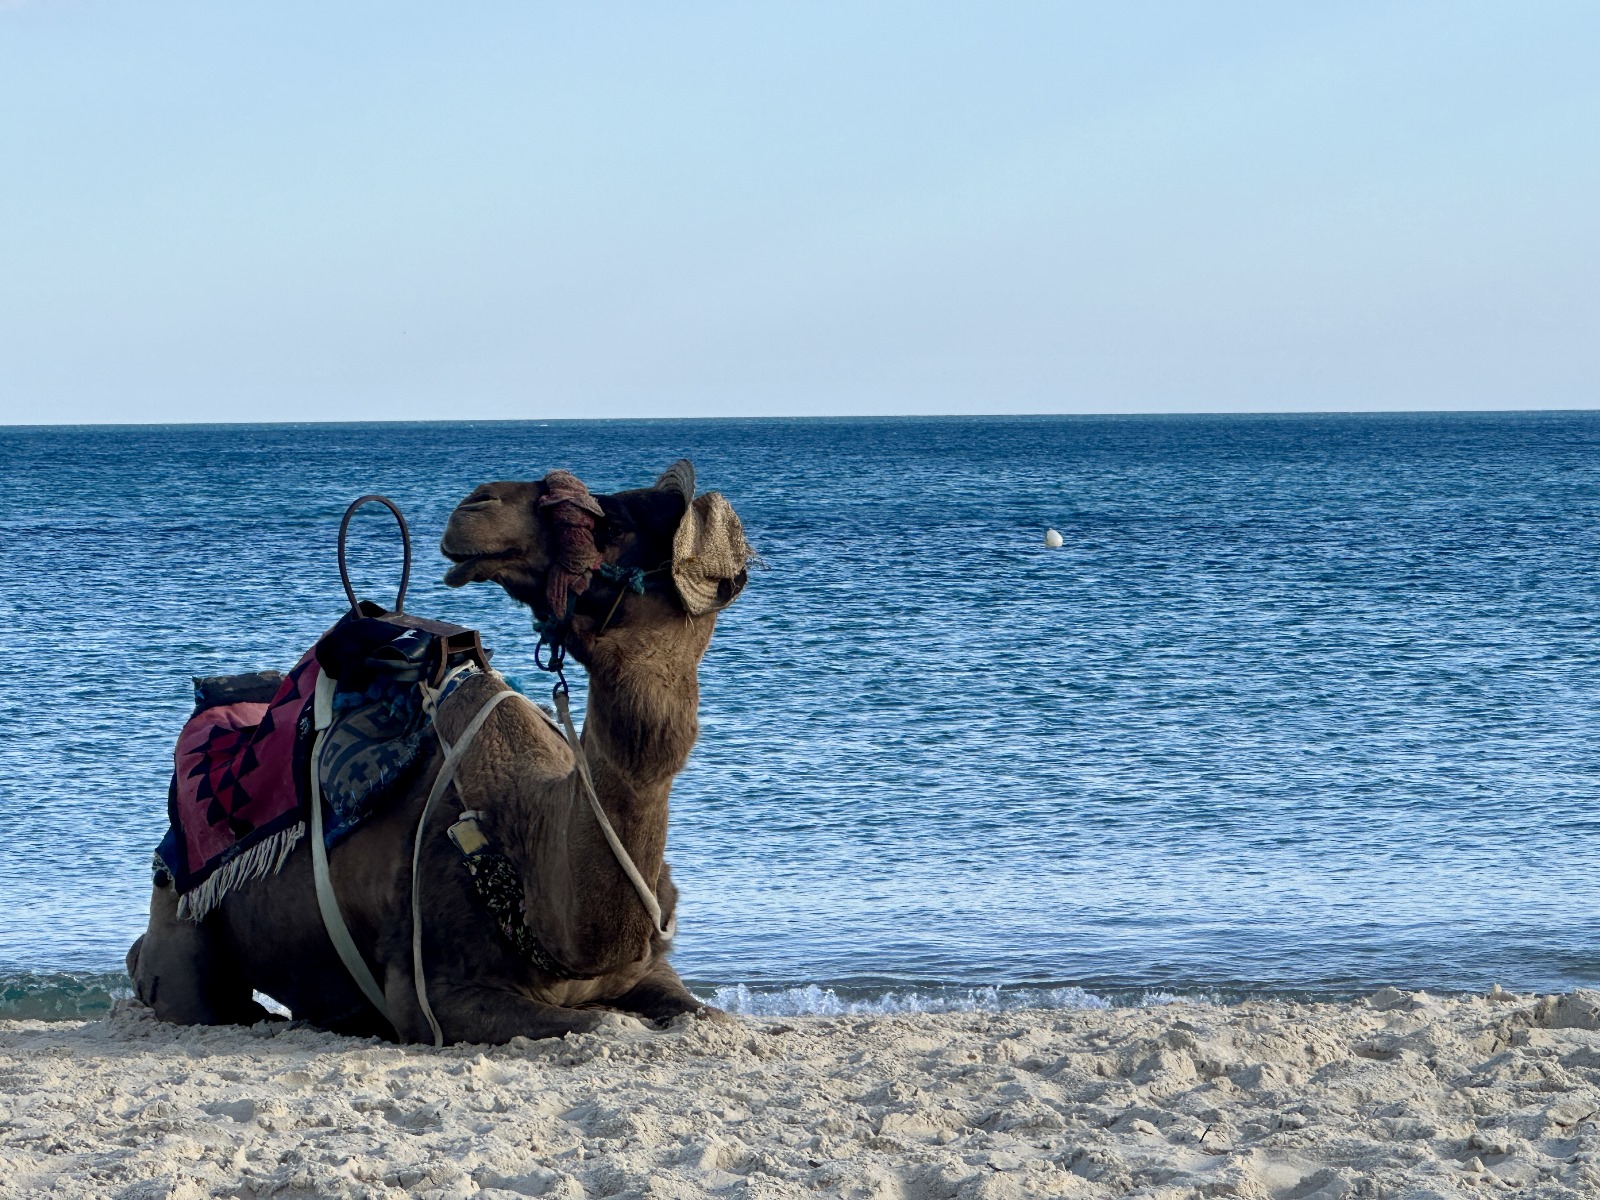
[(602, 950)]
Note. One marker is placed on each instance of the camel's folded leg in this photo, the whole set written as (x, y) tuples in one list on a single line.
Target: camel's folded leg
[(479, 1013), (179, 970), (660, 996)]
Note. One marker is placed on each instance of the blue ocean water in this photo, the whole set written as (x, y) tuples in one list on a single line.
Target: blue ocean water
[(1305, 704)]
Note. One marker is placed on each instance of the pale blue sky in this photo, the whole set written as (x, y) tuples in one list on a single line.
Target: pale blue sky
[(296, 211)]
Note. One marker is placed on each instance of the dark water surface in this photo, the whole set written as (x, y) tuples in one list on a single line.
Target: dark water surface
[(1304, 704)]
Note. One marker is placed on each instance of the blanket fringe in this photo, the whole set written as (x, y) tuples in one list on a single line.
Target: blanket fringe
[(265, 858)]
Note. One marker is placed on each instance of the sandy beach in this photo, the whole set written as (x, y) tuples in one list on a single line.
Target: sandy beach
[(1394, 1096)]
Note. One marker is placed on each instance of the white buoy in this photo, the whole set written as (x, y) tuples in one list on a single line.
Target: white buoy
[(1052, 539)]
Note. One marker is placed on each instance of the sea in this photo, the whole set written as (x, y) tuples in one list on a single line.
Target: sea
[(1302, 706)]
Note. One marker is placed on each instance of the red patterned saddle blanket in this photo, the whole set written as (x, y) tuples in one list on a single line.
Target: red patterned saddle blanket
[(235, 798)]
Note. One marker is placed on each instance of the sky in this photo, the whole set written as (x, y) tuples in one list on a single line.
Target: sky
[(396, 211)]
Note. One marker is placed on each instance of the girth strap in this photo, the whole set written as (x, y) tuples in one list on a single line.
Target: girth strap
[(332, 917), (453, 754), (328, 902)]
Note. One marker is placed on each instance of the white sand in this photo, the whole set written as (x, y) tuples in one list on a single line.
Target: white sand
[(1396, 1097)]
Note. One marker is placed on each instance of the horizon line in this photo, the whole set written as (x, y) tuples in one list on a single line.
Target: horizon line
[(1033, 416)]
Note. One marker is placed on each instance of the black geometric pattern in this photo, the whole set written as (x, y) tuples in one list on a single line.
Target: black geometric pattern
[(235, 784)]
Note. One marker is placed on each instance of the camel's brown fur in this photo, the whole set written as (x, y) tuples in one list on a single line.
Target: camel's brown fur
[(268, 936)]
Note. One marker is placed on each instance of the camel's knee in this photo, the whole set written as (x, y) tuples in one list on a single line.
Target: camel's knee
[(179, 972)]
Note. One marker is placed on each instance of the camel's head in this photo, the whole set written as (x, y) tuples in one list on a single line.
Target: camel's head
[(567, 553)]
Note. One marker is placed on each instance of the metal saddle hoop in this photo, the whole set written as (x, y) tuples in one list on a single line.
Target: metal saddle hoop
[(405, 540)]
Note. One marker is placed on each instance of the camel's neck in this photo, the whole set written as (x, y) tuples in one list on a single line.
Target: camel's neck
[(639, 727)]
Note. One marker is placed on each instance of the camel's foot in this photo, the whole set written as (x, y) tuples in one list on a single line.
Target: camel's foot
[(661, 997), (706, 1013), (716, 1016)]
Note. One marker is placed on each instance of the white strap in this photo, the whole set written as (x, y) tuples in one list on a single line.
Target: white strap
[(332, 917), (447, 771), (453, 754), (647, 895)]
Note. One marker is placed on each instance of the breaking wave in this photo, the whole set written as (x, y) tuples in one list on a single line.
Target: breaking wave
[(819, 1001)]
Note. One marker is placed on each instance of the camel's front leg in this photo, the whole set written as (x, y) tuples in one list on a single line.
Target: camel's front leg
[(483, 1013), (660, 996)]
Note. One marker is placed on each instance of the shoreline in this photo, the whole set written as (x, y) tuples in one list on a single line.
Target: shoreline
[(88, 995), (1395, 1095)]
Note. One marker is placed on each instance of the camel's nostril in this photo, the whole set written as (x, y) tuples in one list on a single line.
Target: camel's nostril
[(476, 505)]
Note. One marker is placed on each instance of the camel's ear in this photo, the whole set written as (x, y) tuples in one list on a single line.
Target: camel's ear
[(710, 558), (679, 478)]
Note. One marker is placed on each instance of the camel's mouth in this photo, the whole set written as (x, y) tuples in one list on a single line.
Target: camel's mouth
[(475, 568), (492, 534)]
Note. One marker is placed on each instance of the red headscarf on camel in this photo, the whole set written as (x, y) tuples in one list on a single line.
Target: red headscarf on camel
[(572, 515)]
